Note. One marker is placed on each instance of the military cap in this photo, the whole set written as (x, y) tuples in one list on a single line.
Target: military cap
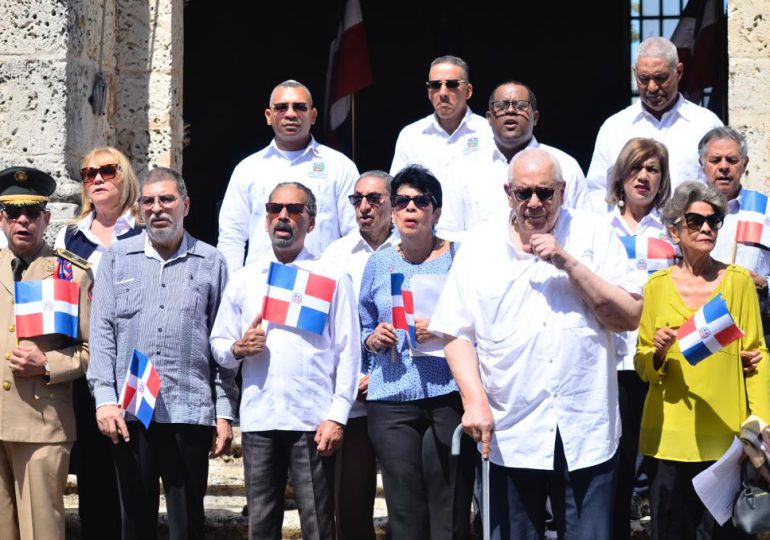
[(24, 186)]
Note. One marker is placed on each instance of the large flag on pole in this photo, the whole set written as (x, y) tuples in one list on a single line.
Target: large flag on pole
[(349, 69), (48, 306), (141, 388), (753, 219), (711, 329)]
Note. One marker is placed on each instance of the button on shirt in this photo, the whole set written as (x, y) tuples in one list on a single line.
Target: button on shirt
[(428, 144), (680, 129), (301, 378), (473, 191), (164, 309), (330, 176), (749, 256), (545, 361)]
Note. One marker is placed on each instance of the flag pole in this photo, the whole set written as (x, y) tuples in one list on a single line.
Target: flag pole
[(353, 125), (735, 248)]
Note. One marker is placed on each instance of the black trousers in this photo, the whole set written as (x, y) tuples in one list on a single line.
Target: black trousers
[(267, 458), (631, 393), (91, 461), (427, 491), (357, 483), (178, 454)]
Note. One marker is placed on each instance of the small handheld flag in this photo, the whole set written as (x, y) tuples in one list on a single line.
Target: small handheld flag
[(141, 389), (711, 329), (297, 298), (753, 219), (648, 254), (403, 307), (49, 306)]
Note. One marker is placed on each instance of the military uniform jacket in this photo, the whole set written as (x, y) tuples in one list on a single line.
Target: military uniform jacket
[(36, 409)]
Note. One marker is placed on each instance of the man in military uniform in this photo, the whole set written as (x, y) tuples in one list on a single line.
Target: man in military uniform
[(37, 422)]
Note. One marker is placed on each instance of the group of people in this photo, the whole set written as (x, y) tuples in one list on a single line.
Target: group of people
[(543, 337)]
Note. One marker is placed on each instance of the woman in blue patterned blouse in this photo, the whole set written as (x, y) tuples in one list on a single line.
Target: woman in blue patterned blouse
[(413, 402)]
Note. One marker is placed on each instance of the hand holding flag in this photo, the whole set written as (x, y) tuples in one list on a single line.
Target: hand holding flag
[(253, 340), (708, 331)]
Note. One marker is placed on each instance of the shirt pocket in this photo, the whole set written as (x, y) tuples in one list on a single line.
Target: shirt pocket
[(128, 298)]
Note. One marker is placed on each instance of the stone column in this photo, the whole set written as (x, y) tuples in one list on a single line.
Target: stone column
[(748, 37)]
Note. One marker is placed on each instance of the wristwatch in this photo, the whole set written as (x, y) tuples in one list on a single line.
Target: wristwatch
[(235, 354), (47, 372)]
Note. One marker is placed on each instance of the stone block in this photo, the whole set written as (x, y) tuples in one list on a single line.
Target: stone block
[(34, 27), (749, 29), (756, 129), (749, 85)]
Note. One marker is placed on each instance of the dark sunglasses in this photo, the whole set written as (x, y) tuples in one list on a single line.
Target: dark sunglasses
[(374, 199), (543, 193), (108, 172), (422, 202), (274, 208), (14, 212), (695, 221), (283, 107), (449, 83)]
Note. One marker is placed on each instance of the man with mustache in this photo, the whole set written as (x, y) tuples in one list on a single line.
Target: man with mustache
[(292, 156), (37, 421), (661, 113), (158, 293), (472, 191), (452, 130), (298, 386), (539, 390)]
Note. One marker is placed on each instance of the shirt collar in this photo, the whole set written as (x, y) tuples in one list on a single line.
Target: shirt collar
[(653, 217), (391, 240), (465, 124), (559, 232), (152, 253), (733, 205), (303, 255), (679, 108), (311, 148), (123, 224)]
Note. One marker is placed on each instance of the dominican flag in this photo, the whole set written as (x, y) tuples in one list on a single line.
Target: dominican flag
[(711, 329), (297, 298), (403, 307), (648, 254), (140, 391), (49, 306), (753, 219), (349, 70)]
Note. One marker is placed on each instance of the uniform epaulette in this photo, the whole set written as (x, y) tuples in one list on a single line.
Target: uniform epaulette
[(74, 259)]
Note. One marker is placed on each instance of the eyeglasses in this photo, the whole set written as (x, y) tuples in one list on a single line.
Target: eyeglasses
[(501, 105), (451, 84), (695, 221), (374, 199), (108, 172), (543, 193), (163, 200), (294, 209), (32, 212), (297, 107), (422, 202)]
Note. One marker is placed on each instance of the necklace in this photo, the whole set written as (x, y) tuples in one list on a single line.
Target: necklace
[(422, 259)]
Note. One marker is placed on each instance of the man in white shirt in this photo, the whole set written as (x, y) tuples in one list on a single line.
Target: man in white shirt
[(451, 131), (293, 155), (724, 155), (541, 294), (474, 186), (661, 114), (298, 386), (358, 465)]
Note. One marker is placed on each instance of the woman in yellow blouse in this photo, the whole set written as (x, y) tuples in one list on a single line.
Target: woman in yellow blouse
[(692, 412)]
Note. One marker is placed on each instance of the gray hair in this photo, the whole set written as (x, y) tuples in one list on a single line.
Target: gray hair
[(291, 83), (723, 133), (310, 203), (658, 47), (455, 61), (688, 193), (161, 174), (382, 175), (536, 153)]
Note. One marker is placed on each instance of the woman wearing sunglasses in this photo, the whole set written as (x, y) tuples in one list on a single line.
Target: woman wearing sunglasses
[(413, 403), (693, 411), (109, 194), (639, 187)]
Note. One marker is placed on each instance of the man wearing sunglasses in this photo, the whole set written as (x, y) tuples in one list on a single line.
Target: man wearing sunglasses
[(473, 188), (38, 421), (298, 386), (540, 295), (452, 130), (293, 155), (661, 113)]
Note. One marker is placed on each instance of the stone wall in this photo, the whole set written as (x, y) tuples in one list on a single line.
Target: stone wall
[(749, 83)]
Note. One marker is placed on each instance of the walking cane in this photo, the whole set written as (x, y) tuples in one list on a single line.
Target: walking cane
[(484, 481)]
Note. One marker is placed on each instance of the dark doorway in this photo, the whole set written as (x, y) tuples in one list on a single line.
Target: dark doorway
[(574, 55)]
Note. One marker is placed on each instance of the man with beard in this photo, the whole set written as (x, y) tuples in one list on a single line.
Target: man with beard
[(298, 386), (157, 294), (661, 113), (293, 155)]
